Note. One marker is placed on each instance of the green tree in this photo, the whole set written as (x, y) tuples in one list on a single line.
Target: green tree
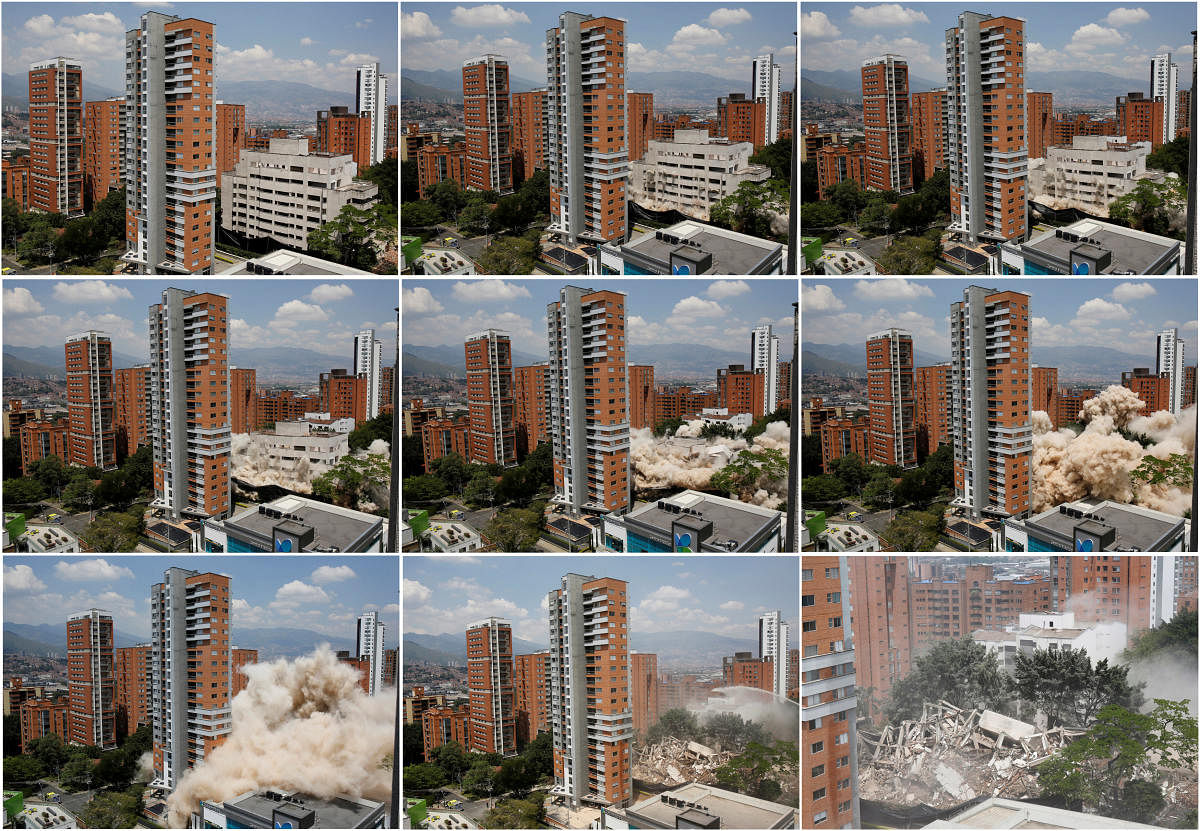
[(385, 174), (1176, 471), (419, 215), (818, 215), (539, 754), (23, 491), (452, 759), (880, 492), (810, 452), (475, 219), (347, 238), (510, 214), (748, 209), (516, 529), (108, 218), (380, 427), (354, 480), (453, 470), (750, 773), (424, 777), (115, 769), (480, 491), (516, 776), (1176, 635), (668, 427), (50, 751), (511, 255), (12, 455), (676, 723), (1066, 686), (960, 671), (809, 182), (22, 769), (852, 470), (1171, 157), (540, 464), (14, 220), (914, 531), (138, 742), (778, 157), (114, 532), (911, 213), (409, 181), (534, 194), (414, 741), (822, 488), (848, 197), (114, 809), (51, 473), (1140, 801), (36, 247), (78, 774), (1150, 205), (875, 218), (516, 813), (749, 471), (423, 488), (80, 494), (77, 241), (447, 196), (479, 781), (909, 255)]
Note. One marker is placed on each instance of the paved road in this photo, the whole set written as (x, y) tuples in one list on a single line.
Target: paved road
[(877, 521), (20, 270)]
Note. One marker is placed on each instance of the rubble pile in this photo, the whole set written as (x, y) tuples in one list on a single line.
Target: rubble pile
[(951, 755), (674, 762)]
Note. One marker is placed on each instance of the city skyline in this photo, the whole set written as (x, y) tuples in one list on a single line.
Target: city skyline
[(1092, 37), (254, 41), (701, 37), (311, 314), (300, 592), (1117, 314), (445, 313), (719, 595)]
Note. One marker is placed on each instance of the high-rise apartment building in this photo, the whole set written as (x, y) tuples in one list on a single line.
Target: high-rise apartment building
[(887, 121), (443, 436), (773, 636), (828, 705), (530, 122), (391, 137), (44, 717), (16, 180), (1140, 118), (986, 150), (990, 400), (1164, 86), (369, 638), (531, 404), (839, 162), (1183, 114), (1169, 349), (929, 133), (442, 725), (742, 120), (190, 666), (230, 136), (590, 709), (370, 101), (841, 437), (589, 421), (238, 659), (764, 358), (90, 405), (170, 152), (133, 415), (1186, 584), (742, 669), (683, 403), (104, 137), (931, 385), (1044, 383), (368, 363), (1189, 387), (641, 396), (1153, 390), (490, 403), (764, 84), (341, 132), (891, 399), (639, 122), (488, 119), (531, 694), (1039, 117), (784, 396), (243, 400), (40, 439), (493, 721), (643, 690), (343, 395), (741, 390), (90, 679), (1105, 589), (586, 144), (880, 603), (948, 606), (189, 392), (787, 112), (131, 672), (56, 136)]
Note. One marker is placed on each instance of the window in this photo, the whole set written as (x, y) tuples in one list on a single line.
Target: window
[(809, 626), (819, 817), (812, 675), (842, 739), (819, 770), (843, 784), (819, 793), (843, 807), (813, 700), (840, 716), (817, 747), (815, 723), (808, 600), (835, 622), (843, 761), (831, 574), (833, 597), (806, 574)]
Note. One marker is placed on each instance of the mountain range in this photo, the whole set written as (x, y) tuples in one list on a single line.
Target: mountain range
[(1070, 87), (683, 646), (672, 88), (1082, 362)]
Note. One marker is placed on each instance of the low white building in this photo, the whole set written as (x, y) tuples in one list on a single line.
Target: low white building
[(847, 536), (293, 443), (846, 262), (452, 537), (692, 173), (1089, 173), (49, 539), (47, 816), (443, 261), (286, 191), (1052, 632), (284, 261), (721, 415)]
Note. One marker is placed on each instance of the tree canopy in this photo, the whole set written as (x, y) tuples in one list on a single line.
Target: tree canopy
[(1066, 686), (960, 671)]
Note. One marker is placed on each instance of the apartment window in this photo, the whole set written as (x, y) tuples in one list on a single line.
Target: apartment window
[(833, 597), (843, 806), (844, 784), (813, 700), (819, 770), (842, 739), (840, 715), (843, 761), (809, 626), (830, 573), (820, 817), (815, 723), (808, 600), (806, 574), (835, 622), (817, 747)]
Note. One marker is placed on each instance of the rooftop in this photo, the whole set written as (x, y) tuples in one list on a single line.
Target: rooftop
[(735, 810), (284, 261), (1133, 252), (734, 524), (334, 528), (1008, 813), (732, 253), (339, 812), (1137, 528)]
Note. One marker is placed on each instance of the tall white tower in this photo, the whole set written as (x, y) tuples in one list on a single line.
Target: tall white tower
[(370, 98), (773, 643), (1169, 353), (368, 363), (1164, 83), (764, 83), (369, 645), (764, 357)]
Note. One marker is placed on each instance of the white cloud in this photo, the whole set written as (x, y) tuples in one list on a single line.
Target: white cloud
[(485, 291), (819, 298), (818, 25), (42, 25), (390, 609), (416, 592), (332, 574), (727, 288), (888, 14), (298, 592), (898, 289), (418, 25), (107, 22), (664, 599), (1100, 309), (693, 35), (90, 291), (1191, 324), (1090, 36), (328, 293), (492, 14), (307, 41), (420, 301), (257, 62), (296, 310), (365, 23), (733, 605), (1132, 291), (20, 301), (728, 17), (87, 570), (334, 52), (1124, 17), (922, 59), (694, 306), (22, 579)]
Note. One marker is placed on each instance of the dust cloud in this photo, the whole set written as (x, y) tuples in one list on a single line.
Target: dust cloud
[(1096, 462), (779, 717), (300, 725), (1170, 674), (657, 464), (145, 767), (250, 463)]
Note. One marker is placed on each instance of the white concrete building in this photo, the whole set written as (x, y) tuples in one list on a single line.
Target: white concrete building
[(1052, 632), (368, 363), (692, 173), (845, 262), (283, 261), (1169, 352), (1164, 84), (847, 536), (49, 539), (286, 192), (443, 262), (764, 358), (301, 448), (453, 537), (738, 421), (368, 643), (370, 98), (1089, 173), (764, 82), (773, 635)]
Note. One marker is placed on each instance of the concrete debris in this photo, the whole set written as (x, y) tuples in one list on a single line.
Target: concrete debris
[(674, 762), (951, 755)]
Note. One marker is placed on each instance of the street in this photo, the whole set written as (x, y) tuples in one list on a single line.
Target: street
[(877, 521), (20, 270)]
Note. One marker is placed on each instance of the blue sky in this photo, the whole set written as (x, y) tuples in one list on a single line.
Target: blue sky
[(721, 40), (444, 312), (314, 43), (722, 595), (311, 314), (1120, 314), (1104, 37), (319, 593)]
